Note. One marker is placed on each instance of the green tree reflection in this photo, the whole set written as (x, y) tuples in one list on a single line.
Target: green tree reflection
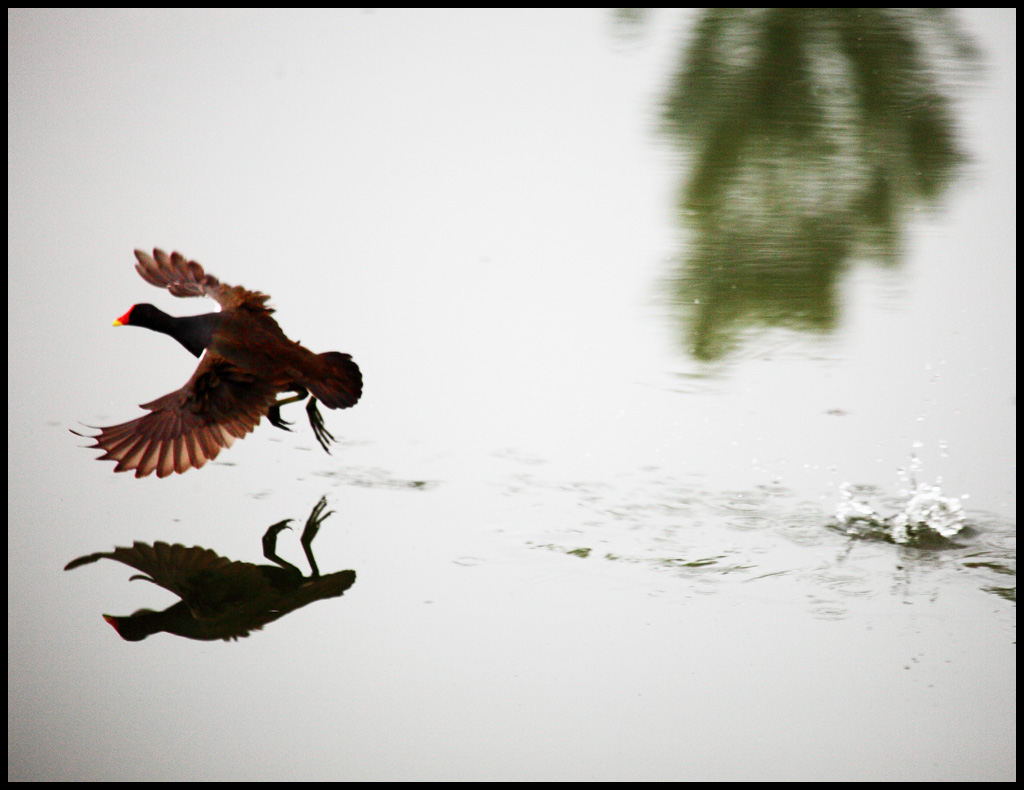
[(812, 135)]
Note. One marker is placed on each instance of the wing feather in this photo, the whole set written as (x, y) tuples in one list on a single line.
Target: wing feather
[(185, 278), (220, 404)]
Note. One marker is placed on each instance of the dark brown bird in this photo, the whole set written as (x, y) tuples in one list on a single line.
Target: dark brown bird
[(248, 360), (221, 598)]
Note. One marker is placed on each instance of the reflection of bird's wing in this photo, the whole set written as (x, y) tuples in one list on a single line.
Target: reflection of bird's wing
[(187, 428), (183, 277), (166, 566), (203, 579)]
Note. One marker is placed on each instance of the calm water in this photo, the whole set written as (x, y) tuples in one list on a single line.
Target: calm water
[(634, 298)]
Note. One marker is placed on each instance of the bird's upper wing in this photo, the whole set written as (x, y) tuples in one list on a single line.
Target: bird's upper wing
[(183, 277), (189, 427)]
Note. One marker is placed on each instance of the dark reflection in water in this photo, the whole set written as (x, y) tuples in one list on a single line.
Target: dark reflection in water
[(221, 598), (812, 134)]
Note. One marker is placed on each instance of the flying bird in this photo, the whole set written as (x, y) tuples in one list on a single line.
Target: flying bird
[(247, 361)]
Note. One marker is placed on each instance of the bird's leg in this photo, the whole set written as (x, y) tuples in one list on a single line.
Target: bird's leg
[(274, 415), (312, 527), (270, 545), (317, 422)]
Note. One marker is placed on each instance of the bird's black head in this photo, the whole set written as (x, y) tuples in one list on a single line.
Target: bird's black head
[(131, 629), (194, 332), (143, 315)]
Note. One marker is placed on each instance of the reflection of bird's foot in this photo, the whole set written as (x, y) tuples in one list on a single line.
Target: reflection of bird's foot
[(316, 422), (270, 536), (316, 518), (274, 415), (270, 544)]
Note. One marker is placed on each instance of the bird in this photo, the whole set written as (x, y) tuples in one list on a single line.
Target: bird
[(246, 362), (221, 598)]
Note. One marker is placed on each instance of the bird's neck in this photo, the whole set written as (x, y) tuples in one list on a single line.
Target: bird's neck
[(194, 332)]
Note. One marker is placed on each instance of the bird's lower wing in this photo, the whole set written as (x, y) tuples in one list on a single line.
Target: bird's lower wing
[(189, 427)]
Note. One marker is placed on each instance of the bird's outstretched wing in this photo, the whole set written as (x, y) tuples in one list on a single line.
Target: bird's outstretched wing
[(183, 277), (188, 427)]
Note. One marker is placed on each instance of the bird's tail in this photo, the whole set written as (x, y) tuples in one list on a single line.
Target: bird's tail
[(340, 383)]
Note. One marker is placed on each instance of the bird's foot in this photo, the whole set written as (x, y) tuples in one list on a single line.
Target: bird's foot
[(316, 422), (274, 416)]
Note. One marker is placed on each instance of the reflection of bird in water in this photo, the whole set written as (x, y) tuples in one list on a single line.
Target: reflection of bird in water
[(248, 362), (221, 598)]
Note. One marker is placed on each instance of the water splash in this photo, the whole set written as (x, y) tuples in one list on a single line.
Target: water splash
[(926, 514)]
